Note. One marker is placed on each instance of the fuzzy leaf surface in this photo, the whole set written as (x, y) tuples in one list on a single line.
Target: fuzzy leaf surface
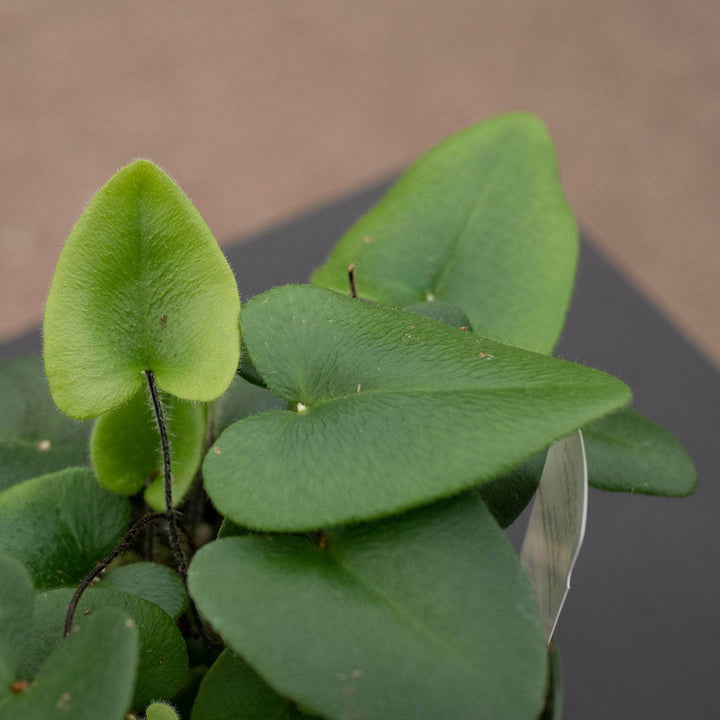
[(427, 615), (480, 222), (141, 284), (61, 525), (232, 690), (162, 654), (153, 582), (16, 608), (88, 675), (35, 437), (438, 410), (160, 711), (627, 452), (126, 452)]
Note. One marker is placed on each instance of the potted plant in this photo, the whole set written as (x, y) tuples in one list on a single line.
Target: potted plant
[(297, 509)]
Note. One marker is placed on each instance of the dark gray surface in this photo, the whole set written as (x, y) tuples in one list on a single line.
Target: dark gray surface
[(640, 633)]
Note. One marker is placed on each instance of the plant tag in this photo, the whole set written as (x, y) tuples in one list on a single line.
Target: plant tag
[(557, 527)]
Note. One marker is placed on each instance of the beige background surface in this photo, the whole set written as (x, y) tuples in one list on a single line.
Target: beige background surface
[(262, 109)]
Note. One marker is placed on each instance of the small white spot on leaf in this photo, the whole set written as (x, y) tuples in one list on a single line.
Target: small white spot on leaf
[(64, 702)]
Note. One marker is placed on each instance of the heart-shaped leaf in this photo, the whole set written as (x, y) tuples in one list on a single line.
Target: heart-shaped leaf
[(35, 438), (88, 675), (61, 525), (427, 615), (153, 582), (232, 690), (627, 452), (163, 656), (16, 608), (480, 222), (140, 285), (396, 410), (126, 452)]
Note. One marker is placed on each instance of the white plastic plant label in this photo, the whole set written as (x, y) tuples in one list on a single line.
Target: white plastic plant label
[(557, 527)]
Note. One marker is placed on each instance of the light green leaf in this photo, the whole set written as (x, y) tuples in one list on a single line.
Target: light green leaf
[(140, 285), (153, 582), (427, 615), (232, 690), (125, 448), (398, 410), (160, 711), (87, 676), (627, 452), (35, 437), (163, 656), (16, 607), (61, 525), (480, 222)]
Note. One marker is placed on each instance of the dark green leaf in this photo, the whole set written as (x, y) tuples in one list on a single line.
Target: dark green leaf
[(242, 399), (125, 448), (428, 615), (231, 529), (627, 452), (156, 583), (399, 410), (16, 607), (247, 370), (554, 698), (89, 675), (438, 310), (480, 222), (21, 460), (61, 525), (508, 495), (184, 700), (140, 285), (163, 657), (231, 690), (35, 437)]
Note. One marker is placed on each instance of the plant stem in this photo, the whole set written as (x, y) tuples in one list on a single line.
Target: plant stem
[(173, 533), (124, 544), (150, 545), (351, 280)]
